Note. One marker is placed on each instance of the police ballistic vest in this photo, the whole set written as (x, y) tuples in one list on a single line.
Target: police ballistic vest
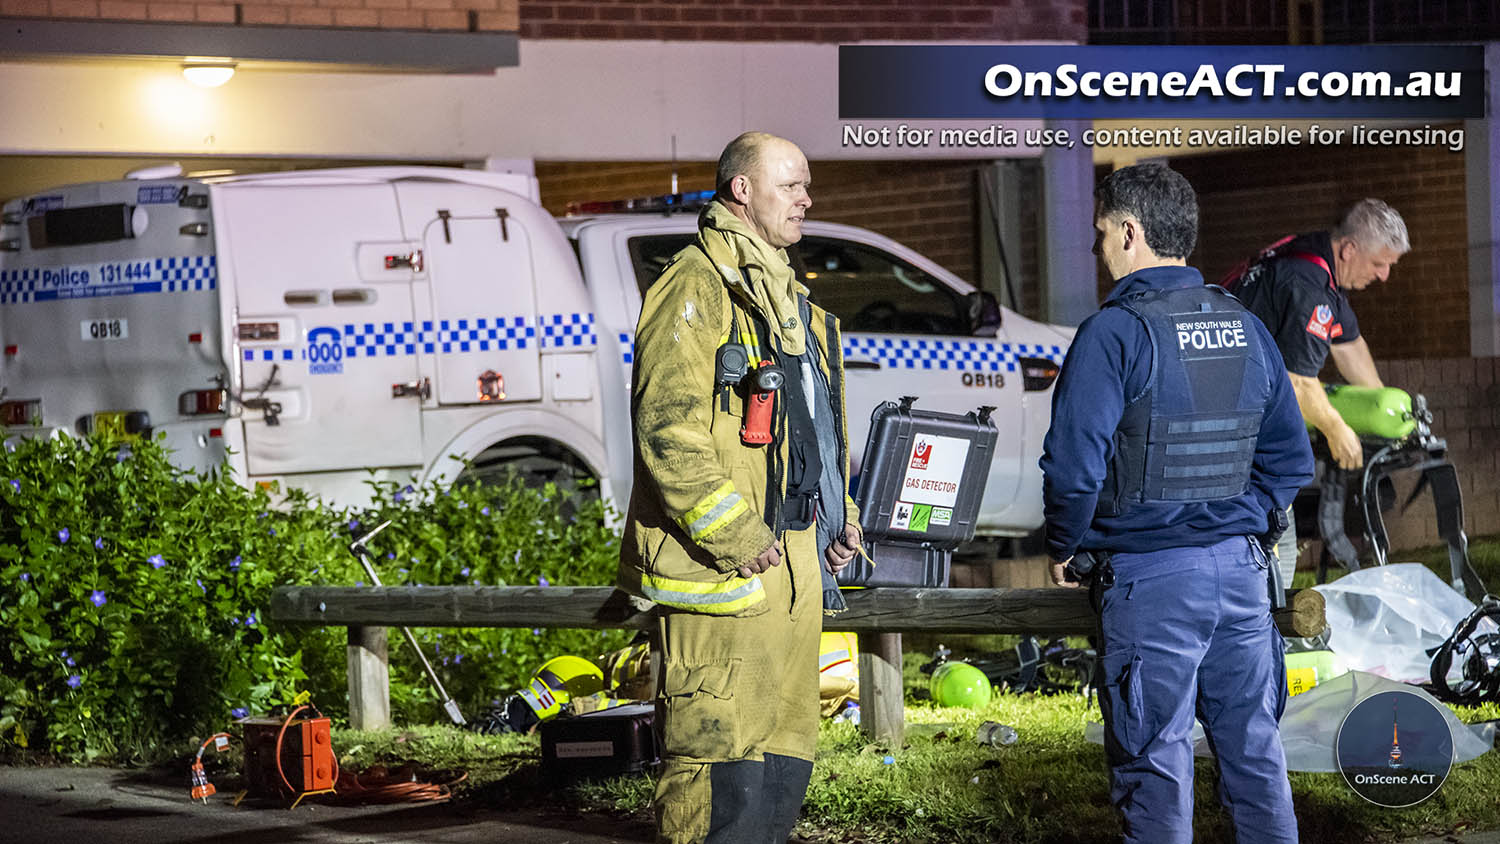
[(1190, 435)]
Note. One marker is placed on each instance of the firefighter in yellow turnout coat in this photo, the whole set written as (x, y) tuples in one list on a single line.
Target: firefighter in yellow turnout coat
[(713, 536)]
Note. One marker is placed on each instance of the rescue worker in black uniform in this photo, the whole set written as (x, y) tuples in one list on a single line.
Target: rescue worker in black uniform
[(1300, 291), (1175, 437)]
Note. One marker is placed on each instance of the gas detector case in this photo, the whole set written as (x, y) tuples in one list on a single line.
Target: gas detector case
[(920, 487), (605, 743)]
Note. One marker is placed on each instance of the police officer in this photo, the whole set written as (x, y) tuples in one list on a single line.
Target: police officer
[(1300, 291), (1174, 437)]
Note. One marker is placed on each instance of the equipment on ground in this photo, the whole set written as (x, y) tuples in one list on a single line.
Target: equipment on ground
[(1475, 647), (959, 684), (606, 743), (1030, 666), (289, 757), (360, 549), (200, 788), (921, 482), (1306, 669)]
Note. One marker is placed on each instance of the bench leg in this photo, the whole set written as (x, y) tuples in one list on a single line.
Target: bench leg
[(882, 705), (369, 679)]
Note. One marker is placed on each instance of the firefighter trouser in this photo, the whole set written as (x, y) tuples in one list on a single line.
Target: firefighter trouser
[(1188, 631), (738, 705)]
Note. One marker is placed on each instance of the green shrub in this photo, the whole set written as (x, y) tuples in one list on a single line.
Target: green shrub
[(133, 594)]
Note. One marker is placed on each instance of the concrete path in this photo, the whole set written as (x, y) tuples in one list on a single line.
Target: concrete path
[(111, 806)]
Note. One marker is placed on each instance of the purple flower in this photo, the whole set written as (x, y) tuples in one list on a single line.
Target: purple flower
[(353, 525), (156, 561), (235, 621), (271, 531), (484, 511), (250, 620), (98, 598), (201, 587), (457, 658), (74, 681), (262, 515), (67, 660), (62, 536), (390, 555), (234, 564), (15, 485), (99, 543), (536, 631), (238, 712), (359, 583), (542, 581), (25, 577), (463, 505), (445, 660), (400, 496), (464, 571)]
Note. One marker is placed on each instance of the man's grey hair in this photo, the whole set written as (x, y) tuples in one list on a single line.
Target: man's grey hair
[(1372, 224), (741, 157)]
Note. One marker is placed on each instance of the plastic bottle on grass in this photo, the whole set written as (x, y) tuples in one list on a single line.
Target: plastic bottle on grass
[(996, 734)]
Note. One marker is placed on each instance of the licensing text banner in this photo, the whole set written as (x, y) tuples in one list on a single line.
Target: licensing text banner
[(1426, 82)]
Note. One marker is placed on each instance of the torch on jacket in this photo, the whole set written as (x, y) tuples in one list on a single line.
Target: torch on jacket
[(704, 503)]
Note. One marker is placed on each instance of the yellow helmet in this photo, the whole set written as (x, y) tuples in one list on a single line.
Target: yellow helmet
[(558, 681)]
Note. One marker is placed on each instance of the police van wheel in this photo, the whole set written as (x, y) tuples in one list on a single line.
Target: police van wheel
[(536, 461)]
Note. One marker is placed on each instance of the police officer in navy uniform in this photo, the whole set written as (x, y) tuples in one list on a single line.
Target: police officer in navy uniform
[(1175, 436)]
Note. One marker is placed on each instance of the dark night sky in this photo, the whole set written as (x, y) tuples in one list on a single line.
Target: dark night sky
[(1426, 741)]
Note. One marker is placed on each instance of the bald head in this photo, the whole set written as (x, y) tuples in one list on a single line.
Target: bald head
[(764, 180)]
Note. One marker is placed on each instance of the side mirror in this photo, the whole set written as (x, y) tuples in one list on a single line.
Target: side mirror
[(983, 312)]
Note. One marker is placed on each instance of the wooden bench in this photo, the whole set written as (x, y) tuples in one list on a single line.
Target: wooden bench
[(879, 616)]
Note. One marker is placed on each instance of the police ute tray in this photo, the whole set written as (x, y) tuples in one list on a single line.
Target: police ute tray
[(920, 485), (604, 743)]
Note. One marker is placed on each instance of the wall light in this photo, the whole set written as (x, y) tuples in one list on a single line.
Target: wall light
[(208, 75)]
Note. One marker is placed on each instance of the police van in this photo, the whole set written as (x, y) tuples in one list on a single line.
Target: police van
[(316, 327)]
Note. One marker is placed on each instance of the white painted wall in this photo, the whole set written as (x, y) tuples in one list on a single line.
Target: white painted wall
[(568, 100)]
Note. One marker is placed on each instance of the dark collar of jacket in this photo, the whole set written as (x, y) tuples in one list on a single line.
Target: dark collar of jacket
[(1155, 278)]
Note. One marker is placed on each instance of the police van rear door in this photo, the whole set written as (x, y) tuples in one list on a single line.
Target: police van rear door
[(109, 312), (325, 321)]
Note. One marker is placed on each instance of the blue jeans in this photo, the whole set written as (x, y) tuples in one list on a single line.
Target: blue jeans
[(1188, 632)]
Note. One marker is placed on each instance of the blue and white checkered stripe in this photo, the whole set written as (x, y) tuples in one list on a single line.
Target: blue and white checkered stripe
[(627, 348), (452, 336), (568, 331), (162, 275), (957, 355), (196, 272)]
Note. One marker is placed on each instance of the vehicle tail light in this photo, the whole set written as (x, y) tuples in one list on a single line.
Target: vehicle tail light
[(12, 350), (201, 402), (1038, 373), (22, 412)]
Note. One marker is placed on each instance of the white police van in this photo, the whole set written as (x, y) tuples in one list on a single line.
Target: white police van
[(312, 327)]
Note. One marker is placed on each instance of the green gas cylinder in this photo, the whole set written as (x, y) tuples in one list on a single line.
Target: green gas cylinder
[(1374, 411)]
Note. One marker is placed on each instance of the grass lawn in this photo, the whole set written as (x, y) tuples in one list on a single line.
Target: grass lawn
[(941, 786)]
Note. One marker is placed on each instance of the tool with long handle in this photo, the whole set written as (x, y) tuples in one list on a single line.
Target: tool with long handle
[(359, 548)]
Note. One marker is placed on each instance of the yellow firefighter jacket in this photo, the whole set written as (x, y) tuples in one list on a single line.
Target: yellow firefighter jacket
[(701, 498)]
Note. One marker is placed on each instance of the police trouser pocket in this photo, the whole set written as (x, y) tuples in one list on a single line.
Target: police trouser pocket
[(702, 718), (1125, 716)]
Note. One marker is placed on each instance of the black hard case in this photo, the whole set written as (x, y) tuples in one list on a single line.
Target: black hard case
[(606, 743), (907, 557)]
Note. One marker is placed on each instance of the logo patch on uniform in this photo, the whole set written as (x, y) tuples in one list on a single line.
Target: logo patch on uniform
[(1320, 324)]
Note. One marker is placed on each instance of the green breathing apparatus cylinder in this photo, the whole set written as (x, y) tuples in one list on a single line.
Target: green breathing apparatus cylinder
[(1373, 411)]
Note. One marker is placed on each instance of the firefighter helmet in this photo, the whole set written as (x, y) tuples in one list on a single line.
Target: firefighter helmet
[(558, 681)]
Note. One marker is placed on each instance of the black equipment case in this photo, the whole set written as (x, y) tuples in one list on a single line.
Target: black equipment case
[(606, 743), (919, 492)]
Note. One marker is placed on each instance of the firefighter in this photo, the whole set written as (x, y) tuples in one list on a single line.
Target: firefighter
[(1175, 440), (740, 513)]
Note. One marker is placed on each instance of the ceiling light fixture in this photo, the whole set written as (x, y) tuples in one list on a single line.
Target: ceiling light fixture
[(208, 75)]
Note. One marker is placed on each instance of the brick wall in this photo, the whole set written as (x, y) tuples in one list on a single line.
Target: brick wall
[(489, 15), (1464, 396), (806, 20), (672, 20), (927, 205), (1249, 199)]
